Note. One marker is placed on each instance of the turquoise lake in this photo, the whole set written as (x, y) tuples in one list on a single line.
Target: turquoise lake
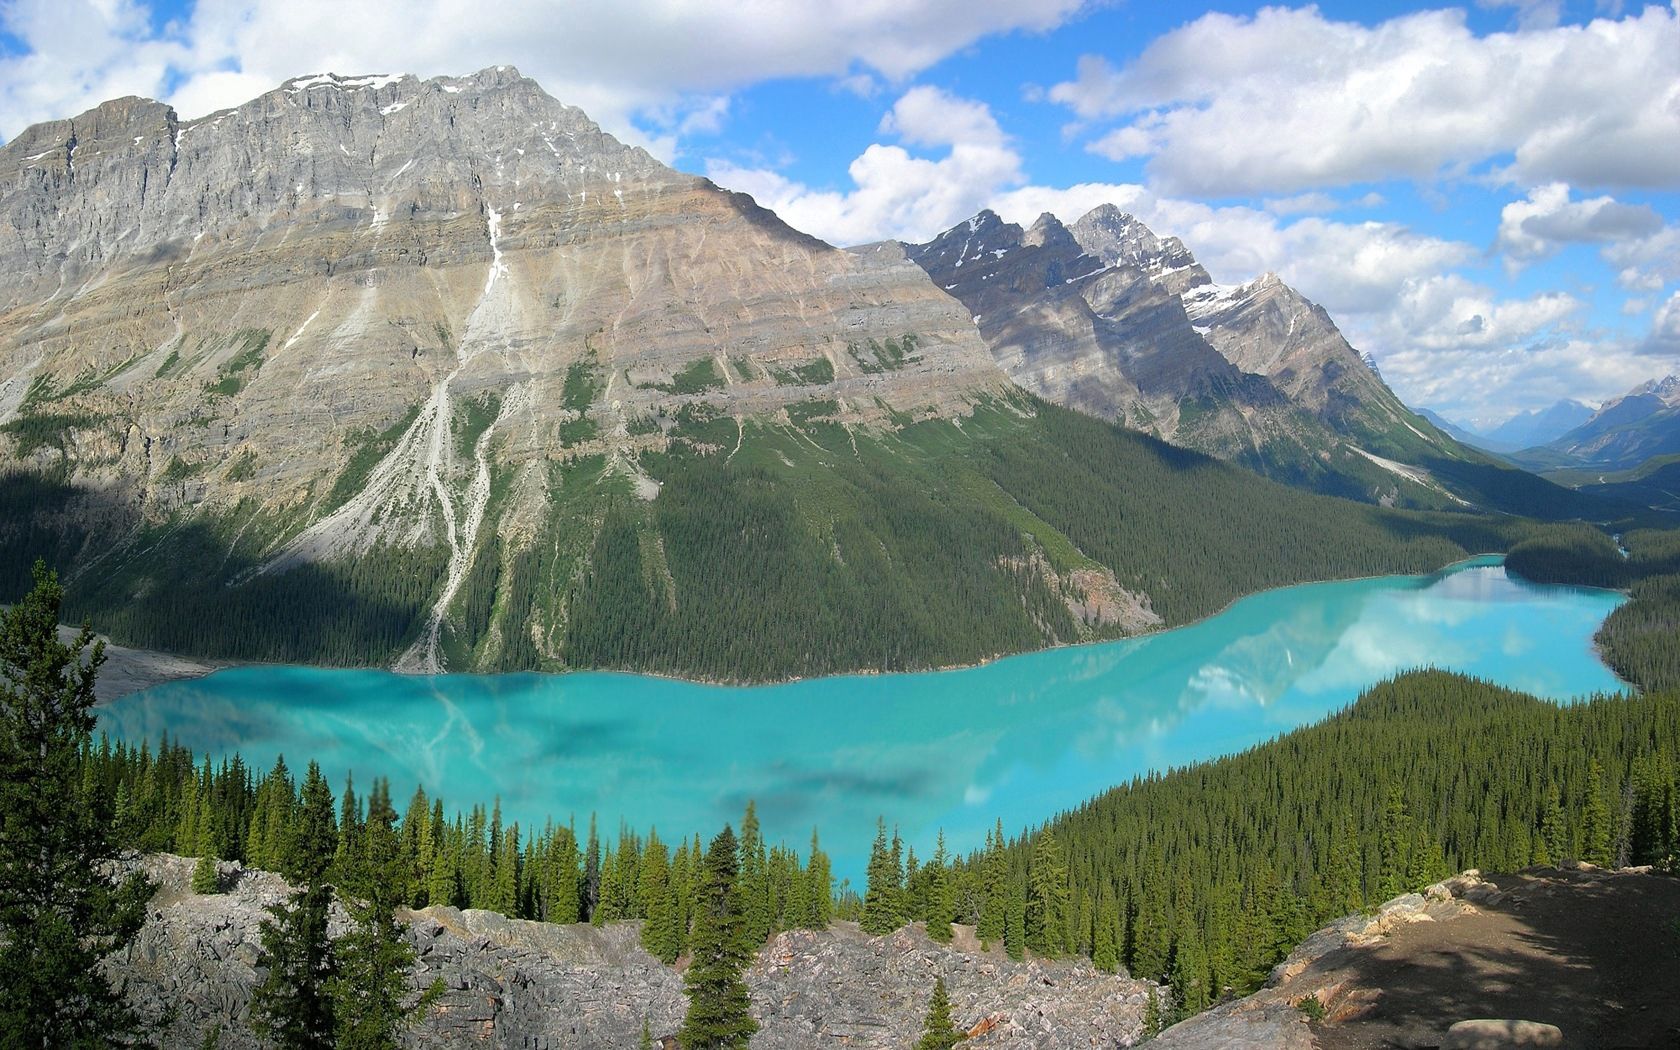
[(1021, 738)]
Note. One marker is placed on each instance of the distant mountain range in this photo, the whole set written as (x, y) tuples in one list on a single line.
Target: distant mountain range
[(1626, 432), (1108, 318), (1523, 430), (435, 373)]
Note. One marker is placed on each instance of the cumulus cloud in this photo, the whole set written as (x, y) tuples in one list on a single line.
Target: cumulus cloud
[(896, 193), (1664, 340), (614, 60), (1297, 101), (1547, 220), (1646, 264)]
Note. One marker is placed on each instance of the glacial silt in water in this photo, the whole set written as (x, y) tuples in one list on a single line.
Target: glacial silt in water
[(1021, 738)]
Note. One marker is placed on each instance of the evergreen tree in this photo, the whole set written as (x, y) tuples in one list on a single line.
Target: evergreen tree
[(994, 889), (1190, 971), (206, 878), (939, 903), (1595, 819), (1105, 933), (882, 889), (369, 984), (938, 1032), (819, 889), (1015, 920), (291, 1005), (1552, 829), (591, 888), (719, 1008), (754, 879), (59, 913), (1047, 897)]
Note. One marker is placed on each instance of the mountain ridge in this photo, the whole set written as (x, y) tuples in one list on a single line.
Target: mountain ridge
[(437, 374)]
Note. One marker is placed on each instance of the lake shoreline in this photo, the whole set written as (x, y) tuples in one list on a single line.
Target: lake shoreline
[(151, 667)]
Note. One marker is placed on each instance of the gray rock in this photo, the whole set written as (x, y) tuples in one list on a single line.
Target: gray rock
[(517, 984)]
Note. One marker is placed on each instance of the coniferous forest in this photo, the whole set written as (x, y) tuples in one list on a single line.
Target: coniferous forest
[(1202, 878)]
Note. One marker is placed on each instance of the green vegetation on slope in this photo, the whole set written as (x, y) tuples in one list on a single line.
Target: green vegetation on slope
[(1207, 876), (772, 551)]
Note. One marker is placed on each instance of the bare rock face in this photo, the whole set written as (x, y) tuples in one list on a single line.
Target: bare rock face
[(1106, 317), (517, 984), (461, 280)]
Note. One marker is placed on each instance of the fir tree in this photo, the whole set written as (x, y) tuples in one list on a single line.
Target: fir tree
[(1190, 971), (719, 1008), (1015, 920), (1047, 897), (938, 1032), (819, 889), (206, 878), (994, 889), (1595, 819), (939, 904), (59, 914), (882, 889), (754, 879), (291, 1005)]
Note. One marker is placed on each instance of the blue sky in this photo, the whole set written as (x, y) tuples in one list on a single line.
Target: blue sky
[(1487, 198)]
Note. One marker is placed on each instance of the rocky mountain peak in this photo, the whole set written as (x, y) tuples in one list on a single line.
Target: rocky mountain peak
[(1666, 388), (1120, 239)]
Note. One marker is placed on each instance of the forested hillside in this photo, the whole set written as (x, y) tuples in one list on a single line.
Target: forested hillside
[(771, 551)]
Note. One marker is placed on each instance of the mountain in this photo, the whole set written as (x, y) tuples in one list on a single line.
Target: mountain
[(1108, 318), (1624, 433), (1461, 434), (1538, 426), (376, 370)]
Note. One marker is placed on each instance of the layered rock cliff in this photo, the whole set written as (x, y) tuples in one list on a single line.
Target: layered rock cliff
[(1109, 318), (373, 312)]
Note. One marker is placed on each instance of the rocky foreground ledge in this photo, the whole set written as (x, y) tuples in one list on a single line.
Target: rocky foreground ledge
[(1577, 956), (537, 986)]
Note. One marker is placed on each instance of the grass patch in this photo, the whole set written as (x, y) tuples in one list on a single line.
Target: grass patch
[(697, 377), (32, 432), (239, 369), (370, 448), (583, 384), (472, 419)]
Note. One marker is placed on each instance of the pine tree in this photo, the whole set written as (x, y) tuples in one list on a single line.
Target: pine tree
[(314, 840), (1189, 972), (939, 905), (1397, 841), (1552, 829), (591, 888), (719, 1008), (938, 1032), (1595, 819), (754, 879), (1047, 897), (882, 889), (370, 980), (819, 889), (1105, 932), (291, 1005), (59, 914), (994, 889), (1015, 920), (206, 878)]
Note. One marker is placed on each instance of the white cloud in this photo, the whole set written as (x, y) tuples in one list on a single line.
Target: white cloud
[(614, 60), (1297, 101), (1547, 220), (1664, 340), (897, 194), (1649, 263)]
